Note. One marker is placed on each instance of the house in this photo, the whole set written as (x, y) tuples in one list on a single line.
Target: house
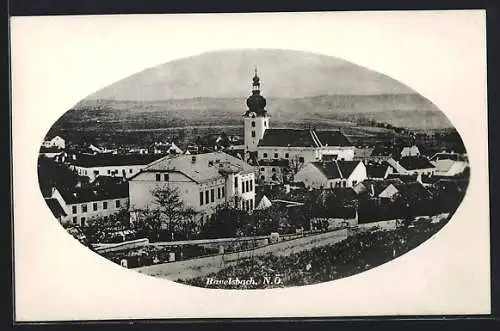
[(52, 152), (377, 170), (449, 167), (56, 142), (79, 205), (164, 148), (409, 151), (273, 170), (203, 182), (119, 165), (331, 174), (412, 165), (56, 209), (372, 188), (408, 191)]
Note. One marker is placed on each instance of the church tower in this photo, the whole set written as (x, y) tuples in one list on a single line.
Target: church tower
[(255, 118)]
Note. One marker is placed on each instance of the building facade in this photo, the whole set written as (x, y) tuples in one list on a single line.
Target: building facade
[(323, 175), (203, 182)]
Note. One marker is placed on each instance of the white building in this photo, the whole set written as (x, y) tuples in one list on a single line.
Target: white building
[(54, 142), (298, 146), (203, 181), (412, 165), (331, 174), (272, 170), (116, 165), (447, 167), (78, 206), (164, 148)]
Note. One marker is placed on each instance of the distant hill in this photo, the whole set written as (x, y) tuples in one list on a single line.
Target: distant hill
[(227, 74), (406, 110)]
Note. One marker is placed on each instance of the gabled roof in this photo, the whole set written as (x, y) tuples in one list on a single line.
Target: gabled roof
[(56, 208), (200, 167), (303, 138), (412, 190), (415, 162), (377, 185), (110, 160), (338, 169), (376, 170)]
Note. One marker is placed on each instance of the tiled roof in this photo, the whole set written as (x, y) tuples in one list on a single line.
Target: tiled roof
[(55, 208), (333, 138), (412, 190), (377, 185), (104, 160), (302, 138), (376, 170), (415, 162), (89, 194), (336, 169), (199, 167)]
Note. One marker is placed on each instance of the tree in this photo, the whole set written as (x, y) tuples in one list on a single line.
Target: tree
[(170, 214), (97, 228)]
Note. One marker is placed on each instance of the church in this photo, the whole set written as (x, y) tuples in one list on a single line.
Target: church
[(297, 146)]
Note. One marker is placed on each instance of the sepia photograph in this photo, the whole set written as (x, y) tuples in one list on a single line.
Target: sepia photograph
[(252, 167)]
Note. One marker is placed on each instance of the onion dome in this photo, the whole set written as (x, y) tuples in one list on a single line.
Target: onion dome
[(256, 102)]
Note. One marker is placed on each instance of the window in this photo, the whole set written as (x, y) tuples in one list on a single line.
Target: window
[(201, 198), (301, 159), (287, 156), (253, 124), (212, 195), (251, 185), (236, 182), (117, 203), (207, 198), (275, 155), (105, 205), (130, 170), (158, 177), (343, 184), (84, 208), (251, 204), (218, 193), (223, 192), (74, 219), (109, 171), (165, 177), (262, 169), (265, 124), (265, 154), (273, 169), (253, 134), (354, 182), (94, 206), (247, 186), (82, 221), (74, 209), (262, 178)]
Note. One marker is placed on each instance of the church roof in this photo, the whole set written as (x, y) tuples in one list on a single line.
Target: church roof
[(302, 138)]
